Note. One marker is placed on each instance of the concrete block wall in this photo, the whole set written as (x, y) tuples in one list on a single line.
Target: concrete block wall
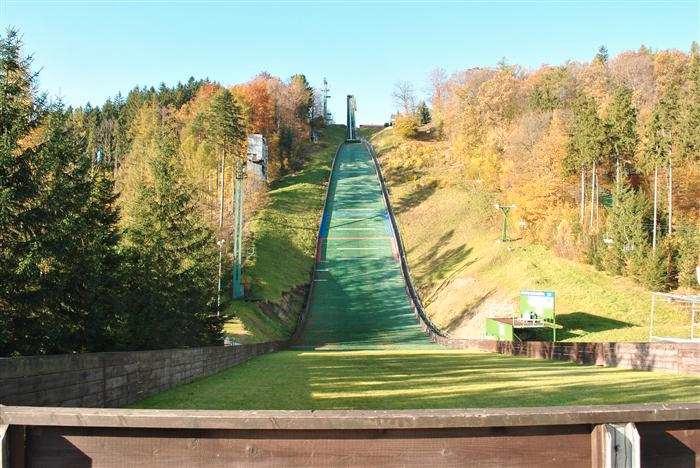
[(113, 379)]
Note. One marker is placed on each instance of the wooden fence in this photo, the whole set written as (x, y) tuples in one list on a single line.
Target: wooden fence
[(578, 436)]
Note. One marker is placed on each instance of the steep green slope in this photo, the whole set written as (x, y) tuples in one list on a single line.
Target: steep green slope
[(359, 297)]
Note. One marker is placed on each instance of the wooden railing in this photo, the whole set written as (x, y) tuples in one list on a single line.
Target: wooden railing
[(575, 436)]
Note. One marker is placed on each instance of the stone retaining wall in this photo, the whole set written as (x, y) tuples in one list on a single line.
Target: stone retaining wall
[(113, 379), (681, 358)]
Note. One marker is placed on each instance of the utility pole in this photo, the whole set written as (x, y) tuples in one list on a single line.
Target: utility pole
[(505, 209), (237, 288)]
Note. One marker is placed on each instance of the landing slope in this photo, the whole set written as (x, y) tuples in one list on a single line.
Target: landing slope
[(359, 298)]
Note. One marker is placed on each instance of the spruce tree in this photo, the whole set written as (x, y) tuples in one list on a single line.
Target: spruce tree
[(690, 126), (57, 231), (172, 262), (585, 143), (626, 228), (662, 138), (423, 113), (621, 130), (226, 125)]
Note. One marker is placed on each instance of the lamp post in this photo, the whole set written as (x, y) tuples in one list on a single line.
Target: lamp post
[(505, 209)]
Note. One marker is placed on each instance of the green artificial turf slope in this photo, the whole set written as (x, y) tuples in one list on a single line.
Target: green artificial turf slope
[(359, 298)]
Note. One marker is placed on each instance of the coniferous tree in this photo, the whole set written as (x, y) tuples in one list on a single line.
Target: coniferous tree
[(423, 113), (57, 230), (661, 147), (621, 130), (602, 55), (690, 131), (585, 144), (626, 228), (226, 125), (306, 103), (19, 113), (172, 259)]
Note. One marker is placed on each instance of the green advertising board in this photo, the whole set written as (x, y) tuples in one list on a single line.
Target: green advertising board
[(537, 305)]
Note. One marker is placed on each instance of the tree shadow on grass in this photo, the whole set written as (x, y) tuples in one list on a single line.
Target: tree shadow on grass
[(579, 323), (400, 379), (442, 268), (468, 311), (401, 174), (417, 196)]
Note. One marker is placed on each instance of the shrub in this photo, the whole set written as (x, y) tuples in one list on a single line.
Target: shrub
[(687, 249), (655, 265), (406, 126)]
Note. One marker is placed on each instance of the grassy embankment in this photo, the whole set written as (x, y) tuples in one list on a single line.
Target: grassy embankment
[(409, 379), (464, 274), (283, 234)]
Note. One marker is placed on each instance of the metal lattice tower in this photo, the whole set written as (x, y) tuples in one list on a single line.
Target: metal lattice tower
[(237, 280)]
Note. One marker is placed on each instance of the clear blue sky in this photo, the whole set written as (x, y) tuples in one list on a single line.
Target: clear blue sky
[(90, 50)]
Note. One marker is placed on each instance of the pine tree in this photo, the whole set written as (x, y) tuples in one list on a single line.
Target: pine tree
[(172, 261), (621, 130), (690, 126), (423, 113), (625, 227), (602, 55), (585, 145), (661, 147)]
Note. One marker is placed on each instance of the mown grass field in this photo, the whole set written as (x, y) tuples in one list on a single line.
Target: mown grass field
[(410, 379), (283, 234), (451, 231)]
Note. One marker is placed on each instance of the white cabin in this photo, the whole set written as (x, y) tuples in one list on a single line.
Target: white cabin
[(257, 156)]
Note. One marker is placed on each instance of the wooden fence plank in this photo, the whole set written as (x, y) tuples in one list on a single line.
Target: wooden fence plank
[(520, 446), (328, 419)]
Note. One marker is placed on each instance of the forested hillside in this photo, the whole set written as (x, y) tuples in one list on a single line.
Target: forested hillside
[(580, 149), (110, 215)]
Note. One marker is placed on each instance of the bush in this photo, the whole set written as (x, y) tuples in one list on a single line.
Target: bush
[(687, 249), (406, 126), (655, 267)]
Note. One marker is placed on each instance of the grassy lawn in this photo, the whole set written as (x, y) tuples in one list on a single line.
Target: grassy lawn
[(284, 239), (410, 379), (464, 274)]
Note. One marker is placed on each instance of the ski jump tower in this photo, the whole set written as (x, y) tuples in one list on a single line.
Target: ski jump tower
[(351, 132)]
